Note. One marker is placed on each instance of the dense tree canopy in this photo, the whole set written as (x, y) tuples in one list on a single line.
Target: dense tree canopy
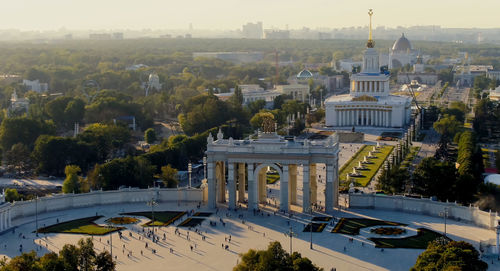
[(275, 258), (70, 258), (449, 255)]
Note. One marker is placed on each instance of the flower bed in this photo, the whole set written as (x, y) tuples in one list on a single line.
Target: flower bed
[(351, 226), (419, 241), (122, 220), (388, 231), (162, 218)]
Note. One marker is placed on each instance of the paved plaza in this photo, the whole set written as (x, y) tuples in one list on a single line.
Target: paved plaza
[(218, 241), (245, 231)]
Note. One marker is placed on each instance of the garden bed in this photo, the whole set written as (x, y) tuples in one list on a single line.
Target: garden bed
[(123, 220), (316, 227), (419, 241), (80, 226), (191, 222), (162, 218), (388, 231), (371, 168), (351, 226)]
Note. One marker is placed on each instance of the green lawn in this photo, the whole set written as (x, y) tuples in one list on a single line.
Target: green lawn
[(272, 177), (372, 168), (351, 226), (420, 241), (162, 218), (80, 226)]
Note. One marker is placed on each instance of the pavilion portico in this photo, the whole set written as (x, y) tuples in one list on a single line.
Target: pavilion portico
[(246, 162)]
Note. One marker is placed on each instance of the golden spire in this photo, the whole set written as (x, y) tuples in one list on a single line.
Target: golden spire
[(370, 43)]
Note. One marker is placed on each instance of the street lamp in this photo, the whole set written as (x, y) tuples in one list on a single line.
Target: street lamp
[(445, 215), (204, 167), (498, 240), (152, 203), (190, 169), (36, 216), (290, 233)]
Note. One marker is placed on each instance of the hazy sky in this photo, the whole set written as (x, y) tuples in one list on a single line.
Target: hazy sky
[(231, 14)]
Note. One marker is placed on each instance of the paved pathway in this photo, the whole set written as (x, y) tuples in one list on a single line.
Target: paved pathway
[(248, 231)]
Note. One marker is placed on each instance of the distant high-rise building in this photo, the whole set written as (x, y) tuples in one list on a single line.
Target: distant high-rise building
[(100, 36), (252, 30), (277, 34), (118, 36)]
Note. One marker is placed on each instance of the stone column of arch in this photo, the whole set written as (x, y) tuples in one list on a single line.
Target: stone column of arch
[(330, 199), (241, 182), (231, 185), (313, 183), (306, 203), (252, 189), (1, 222), (220, 175), (262, 177), (10, 220), (284, 206), (211, 184), (292, 191)]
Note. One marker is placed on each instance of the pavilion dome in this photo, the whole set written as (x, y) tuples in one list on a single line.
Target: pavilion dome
[(402, 44), (304, 74)]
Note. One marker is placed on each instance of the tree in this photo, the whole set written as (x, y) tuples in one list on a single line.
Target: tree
[(104, 262), (169, 176), (448, 126), (23, 130), (260, 118), (237, 97), (11, 195), (393, 180), (18, 157), (71, 258), (453, 255), (86, 255), (275, 258), (150, 136), (433, 177), (256, 106), (72, 182)]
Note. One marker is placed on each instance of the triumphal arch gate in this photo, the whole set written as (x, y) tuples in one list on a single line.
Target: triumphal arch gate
[(237, 166)]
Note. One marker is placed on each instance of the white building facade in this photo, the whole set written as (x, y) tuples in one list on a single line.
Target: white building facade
[(369, 102)]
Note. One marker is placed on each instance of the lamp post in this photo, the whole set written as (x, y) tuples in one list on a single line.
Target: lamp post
[(190, 169), (36, 216), (498, 240), (445, 215), (290, 234), (204, 167), (152, 203)]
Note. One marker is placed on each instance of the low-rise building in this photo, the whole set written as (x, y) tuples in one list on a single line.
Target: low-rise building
[(35, 85)]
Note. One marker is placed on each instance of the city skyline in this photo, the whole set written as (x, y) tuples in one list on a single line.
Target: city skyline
[(230, 15)]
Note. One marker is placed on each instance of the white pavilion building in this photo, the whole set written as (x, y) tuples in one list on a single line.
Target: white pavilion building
[(369, 102)]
